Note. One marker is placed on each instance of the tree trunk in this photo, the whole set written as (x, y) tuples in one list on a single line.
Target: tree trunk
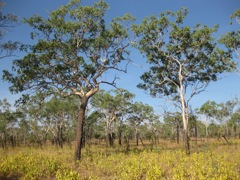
[(235, 131), (227, 130), (141, 141), (12, 141), (59, 138), (206, 129), (195, 131), (184, 110), (185, 127), (120, 137), (110, 139), (3, 141), (178, 133), (24, 138), (186, 142), (79, 130), (136, 136)]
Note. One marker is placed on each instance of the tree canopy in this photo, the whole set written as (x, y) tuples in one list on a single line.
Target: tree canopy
[(183, 60)]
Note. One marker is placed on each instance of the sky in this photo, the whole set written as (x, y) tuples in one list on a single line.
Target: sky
[(205, 12)]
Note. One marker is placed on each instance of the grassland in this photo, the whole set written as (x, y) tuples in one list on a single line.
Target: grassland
[(167, 160)]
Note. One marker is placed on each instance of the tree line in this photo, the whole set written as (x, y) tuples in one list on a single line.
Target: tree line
[(113, 118), (75, 47)]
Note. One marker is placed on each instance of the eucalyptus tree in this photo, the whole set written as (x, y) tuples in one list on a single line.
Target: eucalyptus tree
[(154, 129), (7, 21), (91, 125), (33, 111), (235, 122), (24, 129), (172, 125), (57, 114), (74, 49), (5, 120), (224, 113), (208, 109), (113, 108), (183, 60), (140, 113)]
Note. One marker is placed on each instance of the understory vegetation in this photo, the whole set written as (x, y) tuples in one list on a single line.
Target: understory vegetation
[(167, 160)]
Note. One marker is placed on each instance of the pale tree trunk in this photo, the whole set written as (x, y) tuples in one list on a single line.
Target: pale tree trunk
[(185, 131), (79, 130), (108, 135), (184, 112), (109, 131)]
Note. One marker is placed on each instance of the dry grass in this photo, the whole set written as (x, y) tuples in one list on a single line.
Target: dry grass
[(167, 160)]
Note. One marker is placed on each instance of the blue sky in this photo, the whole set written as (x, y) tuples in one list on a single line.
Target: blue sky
[(206, 12)]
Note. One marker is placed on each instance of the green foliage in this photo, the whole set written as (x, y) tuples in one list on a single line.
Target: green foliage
[(235, 14), (232, 39), (74, 47), (6, 21), (179, 54)]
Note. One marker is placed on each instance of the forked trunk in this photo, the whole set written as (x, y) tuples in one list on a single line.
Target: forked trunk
[(79, 130)]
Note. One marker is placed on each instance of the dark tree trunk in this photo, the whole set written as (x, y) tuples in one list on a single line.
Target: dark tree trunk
[(3, 141), (59, 136), (235, 131), (79, 130), (195, 131), (136, 138), (141, 140), (83, 135), (110, 139), (24, 138), (12, 141), (178, 133), (186, 142), (120, 138)]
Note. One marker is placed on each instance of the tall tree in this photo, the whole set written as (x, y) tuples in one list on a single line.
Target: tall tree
[(183, 60), (74, 48)]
